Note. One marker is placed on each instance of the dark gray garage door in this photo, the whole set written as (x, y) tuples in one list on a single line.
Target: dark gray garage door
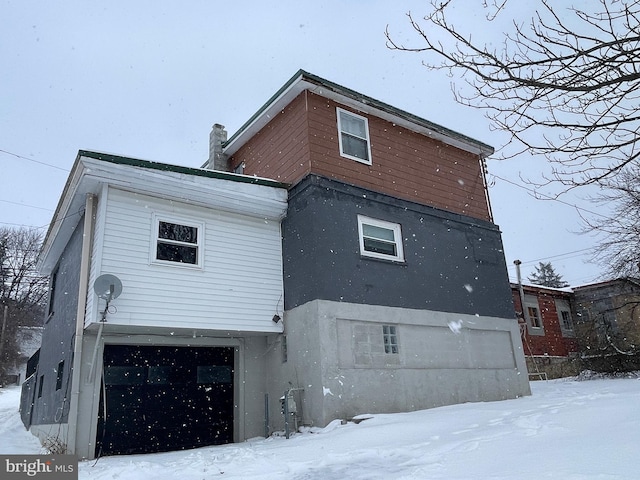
[(159, 399)]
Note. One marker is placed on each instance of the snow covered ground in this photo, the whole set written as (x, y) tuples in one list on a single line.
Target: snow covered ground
[(566, 430)]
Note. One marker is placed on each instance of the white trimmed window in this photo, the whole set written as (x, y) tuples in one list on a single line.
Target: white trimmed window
[(177, 242), (380, 239), (354, 136)]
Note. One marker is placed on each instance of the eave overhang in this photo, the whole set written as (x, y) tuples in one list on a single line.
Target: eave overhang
[(302, 81), (222, 191)]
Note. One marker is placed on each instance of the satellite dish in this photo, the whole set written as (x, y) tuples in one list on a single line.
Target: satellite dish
[(107, 287)]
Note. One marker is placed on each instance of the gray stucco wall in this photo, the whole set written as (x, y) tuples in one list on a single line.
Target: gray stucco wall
[(453, 263), (336, 353), (58, 336)]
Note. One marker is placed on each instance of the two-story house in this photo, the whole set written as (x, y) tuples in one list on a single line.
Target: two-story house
[(548, 330), (365, 276)]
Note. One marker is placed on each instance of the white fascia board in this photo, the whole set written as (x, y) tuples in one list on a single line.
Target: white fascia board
[(238, 197)]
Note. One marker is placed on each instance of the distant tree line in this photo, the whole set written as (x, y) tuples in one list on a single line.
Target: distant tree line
[(22, 291)]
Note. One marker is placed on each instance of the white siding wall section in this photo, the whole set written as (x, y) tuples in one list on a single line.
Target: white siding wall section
[(237, 288)]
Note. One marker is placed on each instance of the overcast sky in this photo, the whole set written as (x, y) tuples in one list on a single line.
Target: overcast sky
[(148, 79)]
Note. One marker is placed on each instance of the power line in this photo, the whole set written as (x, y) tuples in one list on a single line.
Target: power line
[(530, 262), (33, 160), (535, 194), (25, 205)]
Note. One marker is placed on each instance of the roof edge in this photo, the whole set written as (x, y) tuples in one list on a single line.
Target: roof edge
[(167, 167), (482, 148)]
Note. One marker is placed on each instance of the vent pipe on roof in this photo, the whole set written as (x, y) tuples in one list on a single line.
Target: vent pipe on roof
[(217, 159), (525, 313)]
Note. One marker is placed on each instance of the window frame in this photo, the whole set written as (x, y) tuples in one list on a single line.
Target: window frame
[(566, 322), (367, 138), (155, 240), (538, 322), (53, 280), (396, 228)]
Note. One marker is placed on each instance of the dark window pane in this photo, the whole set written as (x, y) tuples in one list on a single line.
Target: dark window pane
[(124, 375), (378, 246), (59, 375), (177, 253), (356, 147), (178, 233), (353, 125), (213, 374), (169, 375)]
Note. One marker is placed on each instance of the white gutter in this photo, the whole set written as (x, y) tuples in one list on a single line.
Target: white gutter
[(87, 241)]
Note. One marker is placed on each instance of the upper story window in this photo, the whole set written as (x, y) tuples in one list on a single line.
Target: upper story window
[(178, 242), (354, 136), (534, 316), (380, 239)]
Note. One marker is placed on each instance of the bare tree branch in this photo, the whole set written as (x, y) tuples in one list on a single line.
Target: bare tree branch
[(564, 86)]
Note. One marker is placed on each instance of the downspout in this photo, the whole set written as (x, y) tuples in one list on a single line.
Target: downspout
[(485, 185), (85, 264)]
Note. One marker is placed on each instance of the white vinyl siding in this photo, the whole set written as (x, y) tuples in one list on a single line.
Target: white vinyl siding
[(238, 287)]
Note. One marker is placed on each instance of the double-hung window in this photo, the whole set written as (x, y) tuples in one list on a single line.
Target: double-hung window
[(380, 239), (534, 316), (354, 136), (178, 242)]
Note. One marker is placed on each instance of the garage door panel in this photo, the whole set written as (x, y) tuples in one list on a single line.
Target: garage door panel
[(166, 398)]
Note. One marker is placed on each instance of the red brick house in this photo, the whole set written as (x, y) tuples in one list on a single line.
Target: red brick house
[(547, 328)]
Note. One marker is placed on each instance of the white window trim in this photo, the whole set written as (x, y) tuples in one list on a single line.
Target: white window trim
[(368, 139), (397, 235), (159, 217)]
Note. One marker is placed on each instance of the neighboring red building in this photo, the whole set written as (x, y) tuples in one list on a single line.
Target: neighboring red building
[(547, 328)]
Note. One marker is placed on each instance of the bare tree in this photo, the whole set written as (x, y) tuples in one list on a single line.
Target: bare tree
[(22, 290), (618, 249), (564, 85)]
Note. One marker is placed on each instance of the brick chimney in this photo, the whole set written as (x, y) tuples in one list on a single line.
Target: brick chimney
[(217, 159)]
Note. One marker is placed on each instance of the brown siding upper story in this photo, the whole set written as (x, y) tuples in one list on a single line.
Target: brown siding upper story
[(303, 139)]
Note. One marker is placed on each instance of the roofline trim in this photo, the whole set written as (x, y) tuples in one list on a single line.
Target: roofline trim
[(303, 80)]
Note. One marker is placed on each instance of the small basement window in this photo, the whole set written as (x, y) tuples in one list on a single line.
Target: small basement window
[(178, 242), (390, 339), (354, 136), (380, 239)]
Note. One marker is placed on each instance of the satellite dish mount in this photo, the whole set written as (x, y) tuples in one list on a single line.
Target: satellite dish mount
[(108, 287)]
